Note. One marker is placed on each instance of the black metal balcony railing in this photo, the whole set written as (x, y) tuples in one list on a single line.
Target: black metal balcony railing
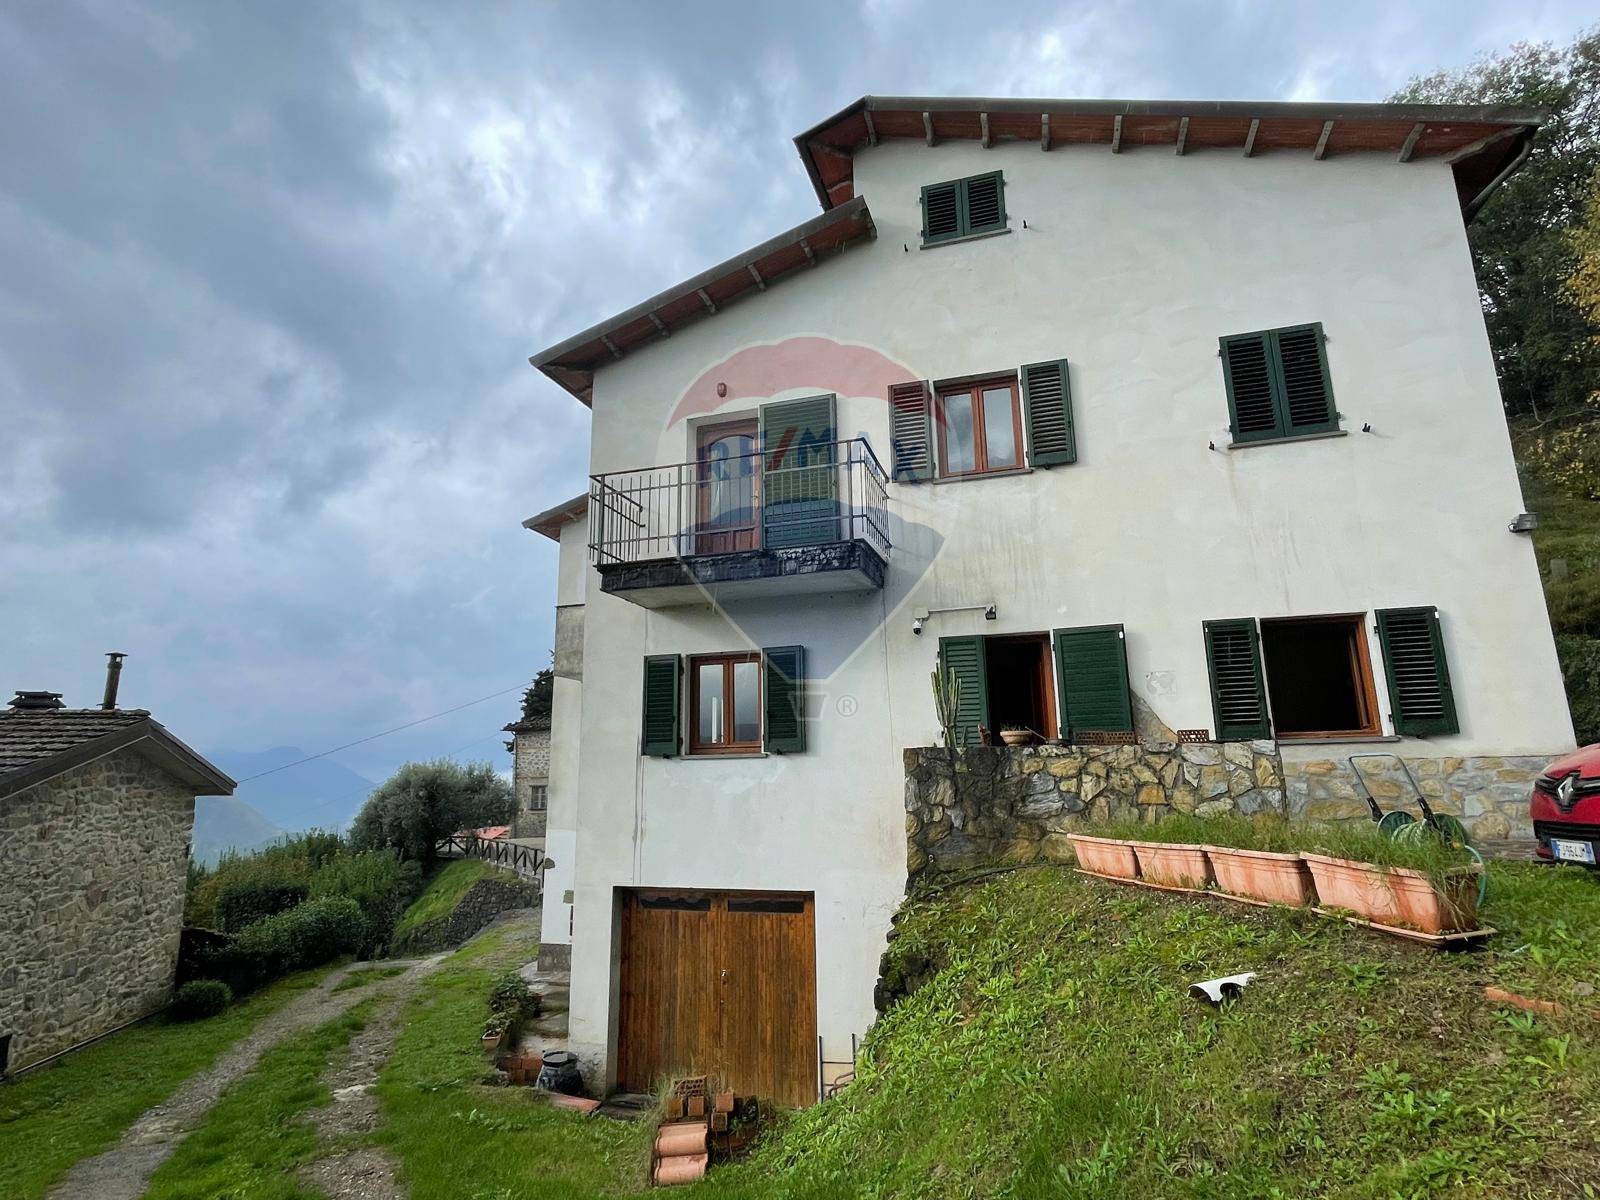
[(782, 499)]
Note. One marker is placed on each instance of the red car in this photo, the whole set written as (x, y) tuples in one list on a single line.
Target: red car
[(1566, 808)]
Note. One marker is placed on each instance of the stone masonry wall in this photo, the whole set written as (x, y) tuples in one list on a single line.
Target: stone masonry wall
[(1017, 805), (530, 765), (92, 873), (1489, 794)]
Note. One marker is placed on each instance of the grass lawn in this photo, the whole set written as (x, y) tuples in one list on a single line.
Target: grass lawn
[(1052, 1051), (456, 1138), (444, 891), (254, 1137), (58, 1115), (365, 977)]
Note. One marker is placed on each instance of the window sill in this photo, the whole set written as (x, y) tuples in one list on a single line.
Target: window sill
[(1350, 739), (724, 757), (1284, 441), (1011, 473), (971, 237)]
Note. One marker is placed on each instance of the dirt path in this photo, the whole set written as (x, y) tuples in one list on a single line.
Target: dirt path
[(366, 1171), (123, 1172)]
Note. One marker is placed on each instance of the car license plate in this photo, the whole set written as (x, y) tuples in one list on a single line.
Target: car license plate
[(1578, 852)]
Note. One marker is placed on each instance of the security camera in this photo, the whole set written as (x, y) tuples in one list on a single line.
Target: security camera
[(989, 614), (916, 626)]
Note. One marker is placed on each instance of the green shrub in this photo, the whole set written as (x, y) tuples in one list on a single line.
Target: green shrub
[(305, 936), (245, 901), (292, 860), (511, 996), (379, 882), (1580, 667), (201, 998)]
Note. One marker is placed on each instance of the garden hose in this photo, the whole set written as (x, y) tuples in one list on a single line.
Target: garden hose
[(1447, 829)]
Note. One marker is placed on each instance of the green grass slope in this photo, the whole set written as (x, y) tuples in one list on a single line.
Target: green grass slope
[(1052, 1050), (443, 892)]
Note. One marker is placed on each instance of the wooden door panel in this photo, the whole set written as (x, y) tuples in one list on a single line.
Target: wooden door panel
[(769, 998), (721, 984), (668, 1005)]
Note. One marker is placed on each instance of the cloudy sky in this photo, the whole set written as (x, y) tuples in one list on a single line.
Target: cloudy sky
[(270, 274)]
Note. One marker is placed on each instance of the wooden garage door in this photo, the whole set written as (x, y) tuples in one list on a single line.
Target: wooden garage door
[(720, 983)]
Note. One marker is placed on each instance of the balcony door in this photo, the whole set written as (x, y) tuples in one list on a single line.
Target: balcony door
[(728, 488)]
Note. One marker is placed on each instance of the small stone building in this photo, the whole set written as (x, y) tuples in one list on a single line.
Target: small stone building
[(96, 815), (530, 775)]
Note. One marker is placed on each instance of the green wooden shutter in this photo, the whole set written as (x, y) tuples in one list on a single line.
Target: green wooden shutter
[(1419, 677), (1238, 697), (1047, 410), (662, 685), (911, 431), (983, 203), (1306, 393), (941, 211), (964, 656), (785, 671), (1092, 680), (1248, 373), (799, 482)]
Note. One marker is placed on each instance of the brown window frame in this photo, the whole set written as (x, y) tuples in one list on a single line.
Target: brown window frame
[(1366, 690), (728, 661), (980, 438)]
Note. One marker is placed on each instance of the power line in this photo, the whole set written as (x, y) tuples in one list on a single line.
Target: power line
[(374, 737)]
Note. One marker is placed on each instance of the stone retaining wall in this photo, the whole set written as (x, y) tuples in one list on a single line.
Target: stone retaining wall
[(1489, 794), (1017, 805), (483, 902), (92, 872)]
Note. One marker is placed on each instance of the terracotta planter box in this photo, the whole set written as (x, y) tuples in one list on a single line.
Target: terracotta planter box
[(1396, 895), (1263, 875), (1173, 863), (1105, 856)]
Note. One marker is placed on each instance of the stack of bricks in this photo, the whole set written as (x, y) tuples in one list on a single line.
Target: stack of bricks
[(521, 1069)]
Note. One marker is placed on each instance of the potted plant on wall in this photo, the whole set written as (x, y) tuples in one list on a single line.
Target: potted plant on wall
[(1016, 735)]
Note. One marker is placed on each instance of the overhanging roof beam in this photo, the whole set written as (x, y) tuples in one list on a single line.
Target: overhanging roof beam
[(705, 298), (927, 125), (660, 327), (872, 127), (756, 275), (1044, 131), (1322, 141), (983, 123), (1183, 133), (1407, 150), (1116, 134), (1250, 138)]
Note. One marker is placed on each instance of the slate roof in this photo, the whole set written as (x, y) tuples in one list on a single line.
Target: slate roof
[(39, 744)]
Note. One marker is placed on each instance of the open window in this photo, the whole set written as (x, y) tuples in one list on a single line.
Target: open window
[(1019, 684), (1069, 682), (1319, 676)]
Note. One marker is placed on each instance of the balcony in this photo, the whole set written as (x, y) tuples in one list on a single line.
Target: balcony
[(786, 522)]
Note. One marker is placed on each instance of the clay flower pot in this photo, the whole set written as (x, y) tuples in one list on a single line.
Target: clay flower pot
[(1017, 737), (491, 1040), (1398, 895), (1263, 875), (1173, 863), (1105, 856)]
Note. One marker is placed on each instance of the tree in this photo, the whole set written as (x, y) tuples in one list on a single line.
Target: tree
[(540, 697), (1544, 345), (423, 803), (1583, 238)]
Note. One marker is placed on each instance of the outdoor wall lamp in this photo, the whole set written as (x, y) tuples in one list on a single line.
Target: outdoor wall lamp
[(919, 619)]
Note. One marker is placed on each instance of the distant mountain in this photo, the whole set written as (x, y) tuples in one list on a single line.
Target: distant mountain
[(315, 795), (228, 823)]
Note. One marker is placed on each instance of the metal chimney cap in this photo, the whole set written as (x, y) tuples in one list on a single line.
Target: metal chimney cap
[(26, 701)]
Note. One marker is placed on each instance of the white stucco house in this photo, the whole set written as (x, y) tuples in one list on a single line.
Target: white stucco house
[(1159, 424)]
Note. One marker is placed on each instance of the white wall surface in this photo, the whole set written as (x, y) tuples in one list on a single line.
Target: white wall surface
[(566, 716), (1132, 266)]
